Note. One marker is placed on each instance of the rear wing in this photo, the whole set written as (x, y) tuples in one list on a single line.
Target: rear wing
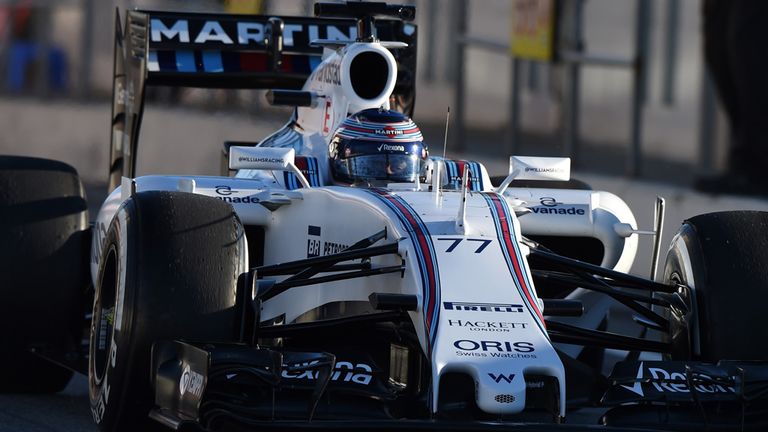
[(225, 51)]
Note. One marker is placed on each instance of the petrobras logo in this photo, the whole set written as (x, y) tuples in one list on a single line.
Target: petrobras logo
[(483, 307), (388, 147)]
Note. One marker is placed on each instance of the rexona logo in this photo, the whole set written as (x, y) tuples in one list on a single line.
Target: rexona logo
[(659, 376), (387, 147), (482, 307), (487, 348), (191, 383), (487, 326), (344, 371), (501, 377)]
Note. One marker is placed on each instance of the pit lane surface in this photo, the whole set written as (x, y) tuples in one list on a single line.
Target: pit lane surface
[(65, 411)]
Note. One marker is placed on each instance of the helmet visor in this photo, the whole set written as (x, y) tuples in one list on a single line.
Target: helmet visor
[(395, 168)]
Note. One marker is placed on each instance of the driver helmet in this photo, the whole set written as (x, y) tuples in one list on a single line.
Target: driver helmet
[(375, 147)]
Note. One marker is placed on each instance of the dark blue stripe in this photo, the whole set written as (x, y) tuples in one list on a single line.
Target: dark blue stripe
[(166, 60), (315, 181), (230, 61), (450, 171)]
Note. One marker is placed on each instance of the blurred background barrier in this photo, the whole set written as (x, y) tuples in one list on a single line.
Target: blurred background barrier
[(623, 89)]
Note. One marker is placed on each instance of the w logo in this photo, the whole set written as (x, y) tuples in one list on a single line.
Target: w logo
[(501, 377)]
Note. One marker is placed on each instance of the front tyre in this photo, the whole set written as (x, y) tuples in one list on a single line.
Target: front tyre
[(722, 258), (168, 270)]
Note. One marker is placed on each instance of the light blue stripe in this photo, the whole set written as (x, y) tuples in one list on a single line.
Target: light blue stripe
[(153, 65), (476, 172), (185, 61), (212, 61)]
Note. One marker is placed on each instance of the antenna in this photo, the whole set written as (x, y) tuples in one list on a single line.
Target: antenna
[(445, 137)]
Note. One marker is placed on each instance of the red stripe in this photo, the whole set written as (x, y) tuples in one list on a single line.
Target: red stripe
[(358, 129), (510, 247), (253, 62), (301, 163)]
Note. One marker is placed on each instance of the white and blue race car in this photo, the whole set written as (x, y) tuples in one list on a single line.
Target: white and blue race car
[(336, 276)]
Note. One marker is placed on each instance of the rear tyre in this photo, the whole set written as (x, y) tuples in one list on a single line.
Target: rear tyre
[(722, 257), (168, 270), (44, 243)]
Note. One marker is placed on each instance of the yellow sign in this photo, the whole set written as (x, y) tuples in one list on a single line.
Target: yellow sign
[(245, 7), (533, 29)]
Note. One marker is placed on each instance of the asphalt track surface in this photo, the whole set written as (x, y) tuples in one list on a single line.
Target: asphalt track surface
[(65, 411)]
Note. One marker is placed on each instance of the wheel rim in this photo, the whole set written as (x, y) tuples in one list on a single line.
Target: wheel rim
[(102, 323)]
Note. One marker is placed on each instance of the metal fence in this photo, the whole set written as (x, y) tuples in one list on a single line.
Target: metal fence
[(573, 58)]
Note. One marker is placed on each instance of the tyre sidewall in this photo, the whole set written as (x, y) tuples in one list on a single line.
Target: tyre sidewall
[(178, 259), (106, 389), (684, 265)]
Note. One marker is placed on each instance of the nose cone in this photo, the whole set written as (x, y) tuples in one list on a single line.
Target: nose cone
[(501, 392)]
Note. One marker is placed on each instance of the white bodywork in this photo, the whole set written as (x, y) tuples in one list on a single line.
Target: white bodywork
[(478, 309)]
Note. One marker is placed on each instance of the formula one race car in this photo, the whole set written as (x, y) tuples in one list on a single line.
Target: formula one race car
[(337, 277)]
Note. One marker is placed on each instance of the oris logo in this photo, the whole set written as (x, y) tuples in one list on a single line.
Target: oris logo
[(487, 348), (494, 346)]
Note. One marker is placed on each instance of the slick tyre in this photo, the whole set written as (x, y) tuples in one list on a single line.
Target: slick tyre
[(168, 270), (44, 241), (722, 257)]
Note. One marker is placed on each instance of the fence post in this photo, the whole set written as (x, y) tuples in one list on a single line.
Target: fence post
[(573, 95), (429, 67), (514, 106), (671, 40), (86, 49), (639, 84), (43, 34), (459, 10), (708, 124)]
